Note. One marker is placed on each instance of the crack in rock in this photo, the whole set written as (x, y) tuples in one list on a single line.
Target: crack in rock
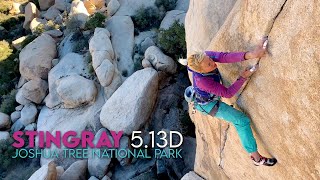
[(222, 145)]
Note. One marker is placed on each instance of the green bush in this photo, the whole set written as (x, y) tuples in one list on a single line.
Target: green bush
[(172, 41), (5, 50), (73, 24), (147, 18), (8, 102), (95, 20), (168, 5)]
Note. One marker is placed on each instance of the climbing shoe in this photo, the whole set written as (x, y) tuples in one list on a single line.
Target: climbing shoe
[(264, 161)]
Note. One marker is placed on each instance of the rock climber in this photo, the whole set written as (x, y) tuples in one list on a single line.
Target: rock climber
[(207, 91)]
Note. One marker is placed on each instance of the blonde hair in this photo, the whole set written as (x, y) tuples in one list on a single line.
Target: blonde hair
[(195, 60)]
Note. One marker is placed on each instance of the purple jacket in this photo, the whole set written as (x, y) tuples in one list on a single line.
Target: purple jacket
[(207, 84)]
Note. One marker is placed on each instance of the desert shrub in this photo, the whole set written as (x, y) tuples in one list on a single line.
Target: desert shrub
[(73, 24), (8, 102), (95, 20), (9, 70), (5, 50), (50, 25), (167, 5), (146, 18), (172, 41)]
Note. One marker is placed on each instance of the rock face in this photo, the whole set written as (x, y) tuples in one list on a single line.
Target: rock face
[(65, 93), (182, 5), (281, 98), (35, 90), (30, 12), (122, 30), (198, 15), (171, 17), (191, 176), (137, 94), (33, 62), (154, 57)]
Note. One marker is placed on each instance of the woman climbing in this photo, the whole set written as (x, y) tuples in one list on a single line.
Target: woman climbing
[(207, 90)]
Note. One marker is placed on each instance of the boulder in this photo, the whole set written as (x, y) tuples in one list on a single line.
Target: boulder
[(41, 173), (55, 33), (93, 178), (77, 170), (182, 5), (72, 96), (122, 30), (113, 7), (106, 178), (124, 144), (100, 47), (4, 120), (21, 99), (98, 167), (30, 13), (33, 62), (45, 4), (68, 43), (28, 114), (280, 97), (79, 12), (70, 65), (4, 135), (93, 5), (191, 176), (35, 23), (197, 17), (102, 56), (158, 60), (146, 44), (129, 172), (61, 5), (144, 37), (18, 42), (64, 120), (137, 94), (31, 127), (16, 9), (51, 13), (19, 108), (171, 17), (17, 126), (21, 82), (35, 90), (129, 8), (15, 116)]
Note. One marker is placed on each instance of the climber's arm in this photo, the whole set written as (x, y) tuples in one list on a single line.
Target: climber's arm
[(226, 57), (208, 85), (232, 57)]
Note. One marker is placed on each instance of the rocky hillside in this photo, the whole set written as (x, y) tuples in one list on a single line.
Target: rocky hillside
[(99, 66), (282, 97)]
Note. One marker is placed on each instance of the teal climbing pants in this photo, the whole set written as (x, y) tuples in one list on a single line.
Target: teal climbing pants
[(237, 118)]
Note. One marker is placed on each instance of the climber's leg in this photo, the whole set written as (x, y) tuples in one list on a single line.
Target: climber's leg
[(241, 123)]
